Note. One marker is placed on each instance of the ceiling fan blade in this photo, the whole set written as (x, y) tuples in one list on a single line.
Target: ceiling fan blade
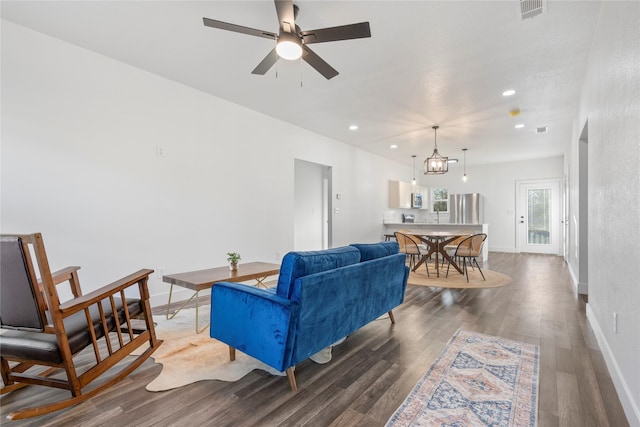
[(286, 15), (238, 28), (318, 63), (343, 32), (266, 63)]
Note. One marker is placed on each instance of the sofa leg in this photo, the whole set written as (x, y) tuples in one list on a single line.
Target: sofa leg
[(291, 376), (232, 353), (393, 320)]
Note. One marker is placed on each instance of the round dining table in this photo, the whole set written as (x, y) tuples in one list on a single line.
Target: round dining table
[(436, 242)]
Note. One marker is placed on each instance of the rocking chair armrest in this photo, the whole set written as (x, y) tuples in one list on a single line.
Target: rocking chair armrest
[(64, 274), (72, 306)]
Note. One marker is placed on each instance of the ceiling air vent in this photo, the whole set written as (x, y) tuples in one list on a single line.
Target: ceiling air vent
[(531, 8), (543, 129)]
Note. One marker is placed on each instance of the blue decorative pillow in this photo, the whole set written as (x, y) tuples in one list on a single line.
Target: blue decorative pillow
[(299, 264), (369, 251)]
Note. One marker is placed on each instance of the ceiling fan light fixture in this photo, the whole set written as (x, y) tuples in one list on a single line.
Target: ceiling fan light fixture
[(289, 47), (436, 164)]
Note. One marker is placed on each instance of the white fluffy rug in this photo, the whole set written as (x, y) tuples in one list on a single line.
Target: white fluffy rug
[(187, 357)]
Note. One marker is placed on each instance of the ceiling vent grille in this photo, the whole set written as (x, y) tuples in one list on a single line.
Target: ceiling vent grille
[(531, 8), (543, 129)]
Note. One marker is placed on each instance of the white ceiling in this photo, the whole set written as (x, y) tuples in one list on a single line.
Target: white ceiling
[(426, 63)]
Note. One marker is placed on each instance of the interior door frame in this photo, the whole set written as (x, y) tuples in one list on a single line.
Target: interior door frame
[(556, 247), (312, 228)]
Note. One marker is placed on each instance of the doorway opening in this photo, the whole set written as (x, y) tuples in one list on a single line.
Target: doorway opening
[(312, 206), (582, 232), (539, 216)]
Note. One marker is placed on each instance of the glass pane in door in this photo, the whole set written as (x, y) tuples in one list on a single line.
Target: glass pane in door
[(539, 209)]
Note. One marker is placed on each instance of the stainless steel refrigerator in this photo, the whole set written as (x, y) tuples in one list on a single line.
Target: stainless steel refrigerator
[(465, 208)]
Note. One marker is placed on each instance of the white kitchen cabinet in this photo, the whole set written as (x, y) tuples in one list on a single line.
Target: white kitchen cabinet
[(400, 195)]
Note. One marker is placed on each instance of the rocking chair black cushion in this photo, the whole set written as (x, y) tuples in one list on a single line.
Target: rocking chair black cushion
[(44, 347)]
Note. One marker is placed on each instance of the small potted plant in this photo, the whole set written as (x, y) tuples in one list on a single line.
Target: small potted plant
[(233, 259)]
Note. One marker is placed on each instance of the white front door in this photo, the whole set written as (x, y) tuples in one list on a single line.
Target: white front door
[(538, 218)]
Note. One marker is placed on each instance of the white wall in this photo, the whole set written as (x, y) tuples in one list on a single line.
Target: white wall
[(611, 105), (80, 134)]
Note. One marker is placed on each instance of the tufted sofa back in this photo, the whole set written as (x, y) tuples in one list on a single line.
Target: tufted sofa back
[(299, 264)]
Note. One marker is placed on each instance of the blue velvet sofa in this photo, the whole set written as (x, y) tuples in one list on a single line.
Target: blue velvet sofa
[(321, 297)]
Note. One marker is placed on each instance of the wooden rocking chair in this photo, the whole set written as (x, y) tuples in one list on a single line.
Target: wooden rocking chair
[(40, 335)]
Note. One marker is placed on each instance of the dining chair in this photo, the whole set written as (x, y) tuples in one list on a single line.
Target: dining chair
[(469, 248), (41, 334), (410, 246), (451, 247)]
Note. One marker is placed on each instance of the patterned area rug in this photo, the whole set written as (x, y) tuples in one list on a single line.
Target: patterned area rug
[(478, 380)]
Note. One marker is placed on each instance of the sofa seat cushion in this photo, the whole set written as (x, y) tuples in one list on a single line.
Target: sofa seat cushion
[(369, 251), (43, 347), (299, 264)]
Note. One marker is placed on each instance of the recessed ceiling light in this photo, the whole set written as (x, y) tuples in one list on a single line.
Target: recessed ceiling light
[(393, 146), (509, 92), (519, 126), (353, 127), (452, 161)]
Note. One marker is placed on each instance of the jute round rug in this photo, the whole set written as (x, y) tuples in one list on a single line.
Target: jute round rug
[(457, 280)]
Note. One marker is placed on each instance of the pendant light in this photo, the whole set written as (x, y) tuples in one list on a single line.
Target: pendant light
[(464, 153), (414, 170), (436, 164)]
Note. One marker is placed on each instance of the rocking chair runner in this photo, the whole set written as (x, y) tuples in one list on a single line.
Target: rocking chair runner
[(41, 333)]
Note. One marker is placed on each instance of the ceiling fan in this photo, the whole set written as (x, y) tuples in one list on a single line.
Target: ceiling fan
[(291, 41)]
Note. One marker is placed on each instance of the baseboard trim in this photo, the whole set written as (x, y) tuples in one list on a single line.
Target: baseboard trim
[(630, 407), (581, 288), (508, 250)]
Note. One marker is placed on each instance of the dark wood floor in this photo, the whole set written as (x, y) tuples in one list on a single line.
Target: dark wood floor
[(375, 368)]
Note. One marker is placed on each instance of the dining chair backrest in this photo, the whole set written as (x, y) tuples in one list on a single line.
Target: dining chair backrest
[(406, 243), (411, 236), (471, 246), (454, 244)]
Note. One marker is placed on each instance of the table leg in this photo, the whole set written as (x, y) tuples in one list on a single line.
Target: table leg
[(197, 318), (438, 256), (260, 282), (432, 249), (195, 295), (446, 256)]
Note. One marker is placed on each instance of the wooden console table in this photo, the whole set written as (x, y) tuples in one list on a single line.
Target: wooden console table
[(205, 279)]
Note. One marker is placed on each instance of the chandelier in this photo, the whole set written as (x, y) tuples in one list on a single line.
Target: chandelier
[(436, 164)]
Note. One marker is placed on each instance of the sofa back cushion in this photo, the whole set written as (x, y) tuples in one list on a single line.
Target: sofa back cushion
[(369, 251), (299, 264)]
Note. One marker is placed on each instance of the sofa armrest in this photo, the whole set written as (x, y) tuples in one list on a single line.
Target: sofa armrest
[(254, 321)]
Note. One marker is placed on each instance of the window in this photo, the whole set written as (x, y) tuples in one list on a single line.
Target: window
[(539, 212), (439, 200)]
